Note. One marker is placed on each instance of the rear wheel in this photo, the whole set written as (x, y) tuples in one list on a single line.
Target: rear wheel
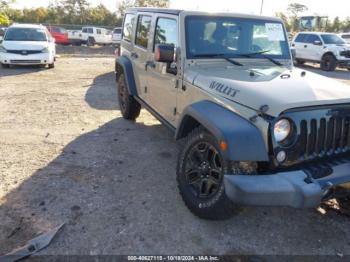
[(129, 107), (200, 177), (328, 63), (348, 68)]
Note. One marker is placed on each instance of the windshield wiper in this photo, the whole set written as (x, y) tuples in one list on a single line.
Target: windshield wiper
[(223, 56), (261, 53)]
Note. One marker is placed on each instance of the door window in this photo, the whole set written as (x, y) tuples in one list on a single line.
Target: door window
[(84, 30), (312, 38), (90, 30), (128, 26), (142, 30), (166, 32)]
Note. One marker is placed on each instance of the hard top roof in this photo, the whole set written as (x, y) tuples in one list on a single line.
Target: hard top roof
[(200, 13)]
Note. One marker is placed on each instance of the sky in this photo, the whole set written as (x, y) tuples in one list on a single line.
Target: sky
[(331, 8)]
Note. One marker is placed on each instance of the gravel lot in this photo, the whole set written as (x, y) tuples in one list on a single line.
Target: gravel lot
[(66, 155)]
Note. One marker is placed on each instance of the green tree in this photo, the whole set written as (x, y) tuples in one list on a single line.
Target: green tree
[(294, 9), (285, 20), (4, 20)]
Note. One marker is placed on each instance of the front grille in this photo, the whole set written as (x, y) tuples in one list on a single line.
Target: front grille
[(25, 61), (345, 53), (24, 52), (325, 136), (318, 133)]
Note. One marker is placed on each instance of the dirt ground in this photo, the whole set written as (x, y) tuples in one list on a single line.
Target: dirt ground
[(67, 156)]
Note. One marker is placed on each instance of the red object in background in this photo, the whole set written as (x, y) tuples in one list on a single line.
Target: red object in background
[(60, 34)]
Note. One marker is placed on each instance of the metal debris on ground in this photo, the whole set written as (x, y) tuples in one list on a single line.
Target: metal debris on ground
[(32, 246)]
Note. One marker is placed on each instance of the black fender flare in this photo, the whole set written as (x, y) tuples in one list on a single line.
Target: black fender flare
[(245, 141), (124, 65)]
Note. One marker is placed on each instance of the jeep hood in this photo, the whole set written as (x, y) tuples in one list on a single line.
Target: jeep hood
[(278, 88)]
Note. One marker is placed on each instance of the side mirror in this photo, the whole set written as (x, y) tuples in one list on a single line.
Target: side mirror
[(317, 42), (164, 53)]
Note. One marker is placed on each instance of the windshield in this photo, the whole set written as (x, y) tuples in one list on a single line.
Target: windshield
[(332, 39), (25, 34), (117, 31), (234, 37)]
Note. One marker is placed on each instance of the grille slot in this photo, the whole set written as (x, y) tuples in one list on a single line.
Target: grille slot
[(24, 52), (325, 136), (25, 61)]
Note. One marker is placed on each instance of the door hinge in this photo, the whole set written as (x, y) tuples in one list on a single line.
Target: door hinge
[(145, 89), (177, 83), (175, 111)]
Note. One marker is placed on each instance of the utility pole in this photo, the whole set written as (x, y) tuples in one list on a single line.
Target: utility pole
[(261, 8)]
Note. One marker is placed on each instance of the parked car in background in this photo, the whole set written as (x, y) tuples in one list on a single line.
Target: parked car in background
[(60, 34), (2, 32), (75, 37), (346, 37), (327, 49), (117, 35), (96, 35), (26, 44)]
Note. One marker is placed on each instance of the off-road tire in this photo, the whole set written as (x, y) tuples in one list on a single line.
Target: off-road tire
[(5, 66), (129, 107), (348, 68), (299, 62), (215, 207), (91, 41), (328, 63), (51, 66)]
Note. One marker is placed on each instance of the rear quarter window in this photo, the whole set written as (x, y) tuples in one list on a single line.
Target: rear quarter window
[(129, 21), (301, 38)]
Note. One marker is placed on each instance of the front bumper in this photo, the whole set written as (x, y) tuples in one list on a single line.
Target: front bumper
[(33, 59), (344, 62), (294, 188)]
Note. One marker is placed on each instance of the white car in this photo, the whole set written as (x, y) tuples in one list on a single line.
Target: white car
[(96, 35), (117, 35), (346, 37), (328, 49), (26, 44)]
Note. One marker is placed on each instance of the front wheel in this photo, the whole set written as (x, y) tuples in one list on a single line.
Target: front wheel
[(5, 65), (200, 177), (300, 62), (51, 66), (328, 63)]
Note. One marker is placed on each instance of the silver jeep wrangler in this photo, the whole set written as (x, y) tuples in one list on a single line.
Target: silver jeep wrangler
[(255, 130)]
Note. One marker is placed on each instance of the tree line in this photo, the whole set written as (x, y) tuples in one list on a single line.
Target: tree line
[(291, 21), (71, 12)]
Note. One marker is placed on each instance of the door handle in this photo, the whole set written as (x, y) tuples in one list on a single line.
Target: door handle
[(150, 64), (134, 55), (305, 46)]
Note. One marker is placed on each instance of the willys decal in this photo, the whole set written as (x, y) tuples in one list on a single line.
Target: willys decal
[(223, 89)]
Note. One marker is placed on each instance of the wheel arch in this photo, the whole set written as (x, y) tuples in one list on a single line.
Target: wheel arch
[(124, 65), (328, 53), (245, 141)]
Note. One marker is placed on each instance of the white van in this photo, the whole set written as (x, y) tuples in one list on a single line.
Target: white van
[(26, 44)]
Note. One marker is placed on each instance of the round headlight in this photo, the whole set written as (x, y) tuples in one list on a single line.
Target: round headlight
[(282, 130)]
